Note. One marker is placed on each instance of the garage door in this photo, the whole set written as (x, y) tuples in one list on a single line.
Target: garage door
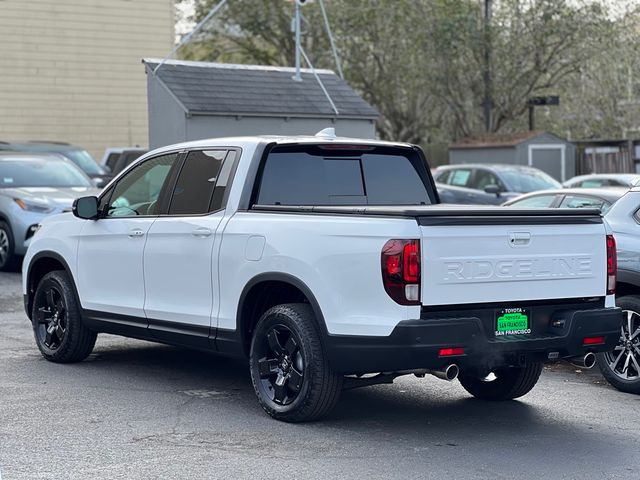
[(549, 159)]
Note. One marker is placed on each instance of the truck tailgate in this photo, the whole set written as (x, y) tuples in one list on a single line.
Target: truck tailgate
[(477, 257)]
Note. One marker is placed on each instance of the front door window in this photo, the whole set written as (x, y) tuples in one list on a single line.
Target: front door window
[(137, 193)]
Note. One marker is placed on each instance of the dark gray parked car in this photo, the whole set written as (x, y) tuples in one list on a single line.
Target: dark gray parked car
[(489, 184)]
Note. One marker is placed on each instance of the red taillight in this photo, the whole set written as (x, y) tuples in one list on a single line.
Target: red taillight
[(411, 254), (393, 265), (593, 341), (400, 262), (450, 352), (612, 265)]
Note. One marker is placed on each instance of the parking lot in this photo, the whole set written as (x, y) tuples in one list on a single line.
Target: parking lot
[(139, 410)]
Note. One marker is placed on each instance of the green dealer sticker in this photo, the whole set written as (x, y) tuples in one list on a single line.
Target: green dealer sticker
[(512, 321)]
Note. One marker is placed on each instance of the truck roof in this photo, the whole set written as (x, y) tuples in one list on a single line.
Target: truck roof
[(324, 136)]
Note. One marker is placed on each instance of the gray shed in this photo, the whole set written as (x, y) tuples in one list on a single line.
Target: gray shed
[(195, 100), (542, 150)]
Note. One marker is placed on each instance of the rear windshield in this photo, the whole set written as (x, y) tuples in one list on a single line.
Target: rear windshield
[(84, 160), (316, 175)]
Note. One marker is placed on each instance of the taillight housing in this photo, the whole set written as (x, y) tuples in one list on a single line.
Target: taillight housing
[(612, 265), (400, 261)]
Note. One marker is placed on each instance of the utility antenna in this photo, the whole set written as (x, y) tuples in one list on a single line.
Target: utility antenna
[(319, 80), (301, 53), (296, 28)]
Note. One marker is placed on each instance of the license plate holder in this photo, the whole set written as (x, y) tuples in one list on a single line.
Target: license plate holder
[(512, 321)]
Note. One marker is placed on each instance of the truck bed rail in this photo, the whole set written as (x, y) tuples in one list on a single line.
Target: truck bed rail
[(453, 215)]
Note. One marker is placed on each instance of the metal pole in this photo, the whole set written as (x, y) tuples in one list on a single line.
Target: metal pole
[(327, 26), (487, 65), (297, 76), (186, 39), (315, 74), (532, 118)]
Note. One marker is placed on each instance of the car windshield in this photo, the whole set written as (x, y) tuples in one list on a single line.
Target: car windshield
[(40, 173), (84, 160), (526, 181)]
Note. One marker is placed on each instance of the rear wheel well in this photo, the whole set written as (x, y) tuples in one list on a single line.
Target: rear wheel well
[(37, 271), (260, 298), (623, 289)]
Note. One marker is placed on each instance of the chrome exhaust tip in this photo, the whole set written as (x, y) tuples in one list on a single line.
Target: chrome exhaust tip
[(449, 373), (587, 361)]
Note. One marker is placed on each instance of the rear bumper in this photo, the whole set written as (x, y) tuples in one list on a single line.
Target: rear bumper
[(416, 344)]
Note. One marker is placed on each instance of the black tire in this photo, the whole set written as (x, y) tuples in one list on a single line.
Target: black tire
[(289, 369), (57, 324), (509, 383), (625, 376), (8, 260)]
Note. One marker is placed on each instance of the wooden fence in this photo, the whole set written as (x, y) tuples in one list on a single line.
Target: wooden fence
[(610, 162)]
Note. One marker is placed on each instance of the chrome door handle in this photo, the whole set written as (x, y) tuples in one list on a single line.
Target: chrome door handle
[(202, 232), (136, 232)]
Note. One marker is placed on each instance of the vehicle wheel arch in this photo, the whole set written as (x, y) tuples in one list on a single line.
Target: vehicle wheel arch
[(626, 286), (42, 263), (267, 290)]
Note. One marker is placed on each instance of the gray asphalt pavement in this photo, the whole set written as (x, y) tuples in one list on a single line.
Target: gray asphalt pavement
[(136, 410)]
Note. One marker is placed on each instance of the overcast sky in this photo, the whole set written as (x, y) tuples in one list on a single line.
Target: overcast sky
[(185, 11)]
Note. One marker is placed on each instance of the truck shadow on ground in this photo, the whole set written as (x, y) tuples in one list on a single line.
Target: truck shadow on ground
[(208, 402), (423, 403), (412, 415)]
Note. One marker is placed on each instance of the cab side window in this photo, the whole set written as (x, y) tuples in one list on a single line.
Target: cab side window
[(194, 190), (138, 191), (458, 177), (484, 178), (578, 201), (595, 183), (538, 201)]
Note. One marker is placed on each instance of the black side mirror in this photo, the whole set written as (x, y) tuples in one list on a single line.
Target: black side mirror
[(492, 189), (86, 208)]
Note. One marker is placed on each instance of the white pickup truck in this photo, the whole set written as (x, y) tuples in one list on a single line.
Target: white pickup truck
[(327, 263)]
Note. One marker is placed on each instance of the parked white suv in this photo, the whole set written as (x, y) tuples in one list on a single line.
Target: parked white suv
[(321, 259)]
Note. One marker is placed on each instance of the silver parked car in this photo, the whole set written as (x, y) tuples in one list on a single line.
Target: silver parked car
[(33, 186), (598, 180), (621, 208), (621, 367), (600, 198)]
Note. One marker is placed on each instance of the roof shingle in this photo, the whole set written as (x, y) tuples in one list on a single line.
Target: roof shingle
[(214, 88)]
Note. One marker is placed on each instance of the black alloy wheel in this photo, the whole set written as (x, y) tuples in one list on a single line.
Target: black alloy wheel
[(60, 334), (51, 319), (290, 370), (280, 365)]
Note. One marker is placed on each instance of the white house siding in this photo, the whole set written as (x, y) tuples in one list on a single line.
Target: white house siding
[(70, 69)]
